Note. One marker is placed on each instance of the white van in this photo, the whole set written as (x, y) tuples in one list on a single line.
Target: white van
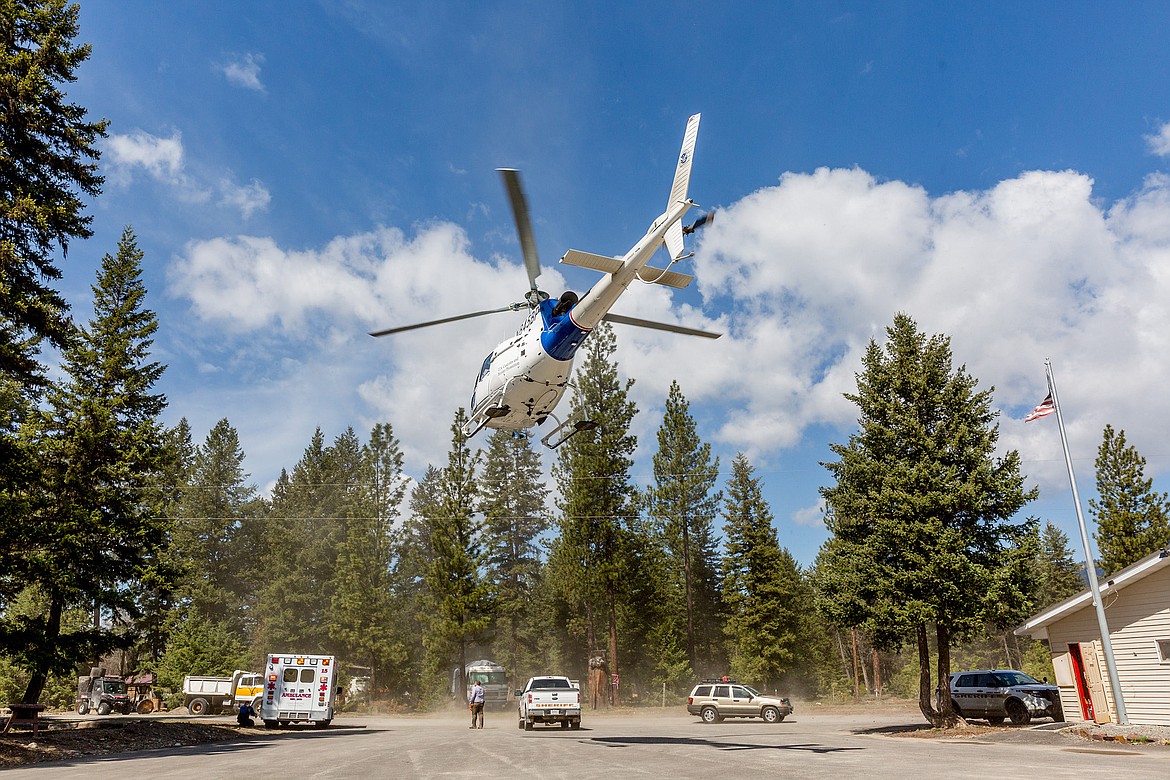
[(298, 688)]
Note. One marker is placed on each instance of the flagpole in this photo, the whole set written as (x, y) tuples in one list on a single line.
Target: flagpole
[(1090, 564)]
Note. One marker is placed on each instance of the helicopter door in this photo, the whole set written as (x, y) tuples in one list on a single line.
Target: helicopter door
[(483, 371)]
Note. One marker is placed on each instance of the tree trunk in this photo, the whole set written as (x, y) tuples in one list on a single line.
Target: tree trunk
[(614, 693), (691, 656), (864, 673), (925, 688), (856, 675), (841, 650), (946, 711), (36, 681), (877, 673)]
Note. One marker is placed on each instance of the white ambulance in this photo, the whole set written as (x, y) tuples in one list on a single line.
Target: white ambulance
[(298, 688)]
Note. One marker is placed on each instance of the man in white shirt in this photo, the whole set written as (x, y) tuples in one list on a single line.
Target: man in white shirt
[(475, 704)]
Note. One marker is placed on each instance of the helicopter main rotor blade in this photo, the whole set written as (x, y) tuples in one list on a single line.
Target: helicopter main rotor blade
[(623, 320), (511, 178), (418, 325)]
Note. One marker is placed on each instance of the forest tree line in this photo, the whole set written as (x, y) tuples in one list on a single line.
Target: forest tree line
[(121, 533)]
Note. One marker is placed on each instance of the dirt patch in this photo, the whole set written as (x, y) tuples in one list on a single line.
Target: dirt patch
[(101, 738)]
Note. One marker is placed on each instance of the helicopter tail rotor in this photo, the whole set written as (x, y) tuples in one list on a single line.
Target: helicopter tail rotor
[(702, 221)]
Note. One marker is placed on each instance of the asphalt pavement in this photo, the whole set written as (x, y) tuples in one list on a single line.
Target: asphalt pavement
[(811, 743)]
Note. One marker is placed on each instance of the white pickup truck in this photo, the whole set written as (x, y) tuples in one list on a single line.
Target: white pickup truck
[(549, 699)]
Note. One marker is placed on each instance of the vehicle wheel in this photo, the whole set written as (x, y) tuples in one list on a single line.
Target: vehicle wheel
[(323, 724), (520, 724), (528, 725), (996, 721), (82, 708), (575, 724), (710, 715), (1018, 712), (270, 724), (145, 707), (564, 724), (198, 707), (771, 715), (104, 708)]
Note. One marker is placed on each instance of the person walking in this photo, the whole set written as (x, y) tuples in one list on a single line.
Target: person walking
[(475, 704)]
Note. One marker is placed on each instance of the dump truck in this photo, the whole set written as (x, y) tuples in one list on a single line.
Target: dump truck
[(218, 695)]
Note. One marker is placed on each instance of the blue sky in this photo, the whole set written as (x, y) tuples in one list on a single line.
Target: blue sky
[(299, 173)]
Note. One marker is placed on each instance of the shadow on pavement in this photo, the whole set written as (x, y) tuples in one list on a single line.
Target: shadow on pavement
[(718, 745)]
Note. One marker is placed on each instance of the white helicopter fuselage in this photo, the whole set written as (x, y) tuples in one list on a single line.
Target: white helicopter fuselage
[(523, 379)]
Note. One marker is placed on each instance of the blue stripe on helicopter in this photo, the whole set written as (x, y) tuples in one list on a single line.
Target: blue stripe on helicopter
[(561, 337)]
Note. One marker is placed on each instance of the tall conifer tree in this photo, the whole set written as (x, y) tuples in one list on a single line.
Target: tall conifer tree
[(362, 614), (1132, 519), (99, 447), (48, 163), (683, 503), (588, 559), (921, 512), (458, 597), (512, 500), (214, 537), (761, 584)]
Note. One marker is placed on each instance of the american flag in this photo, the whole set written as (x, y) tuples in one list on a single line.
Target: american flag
[(1045, 408)]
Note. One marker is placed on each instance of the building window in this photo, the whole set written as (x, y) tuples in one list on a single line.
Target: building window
[(1163, 650)]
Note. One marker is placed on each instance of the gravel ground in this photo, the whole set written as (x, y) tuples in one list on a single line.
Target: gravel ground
[(1113, 732)]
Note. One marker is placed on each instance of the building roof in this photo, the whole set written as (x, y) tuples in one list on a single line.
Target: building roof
[(1037, 625)]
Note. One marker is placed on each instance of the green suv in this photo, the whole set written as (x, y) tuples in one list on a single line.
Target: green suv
[(714, 700)]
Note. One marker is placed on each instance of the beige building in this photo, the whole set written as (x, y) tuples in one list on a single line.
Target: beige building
[(1137, 609)]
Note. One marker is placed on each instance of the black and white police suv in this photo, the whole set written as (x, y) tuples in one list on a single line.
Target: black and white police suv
[(996, 694)]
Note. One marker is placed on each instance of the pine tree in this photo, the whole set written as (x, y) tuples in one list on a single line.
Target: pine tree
[(48, 163), (684, 504), (588, 563), (1132, 520), (214, 537), (921, 510), (458, 597), (512, 500), (164, 576), (303, 534), (761, 584), (362, 616), (99, 446), (1058, 575)]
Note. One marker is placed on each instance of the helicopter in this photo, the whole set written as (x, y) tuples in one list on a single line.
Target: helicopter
[(523, 379)]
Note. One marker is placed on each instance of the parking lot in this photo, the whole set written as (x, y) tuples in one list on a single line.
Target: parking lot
[(816, 742)]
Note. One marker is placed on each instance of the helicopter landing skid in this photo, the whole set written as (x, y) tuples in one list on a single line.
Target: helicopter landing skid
[(558, 435)]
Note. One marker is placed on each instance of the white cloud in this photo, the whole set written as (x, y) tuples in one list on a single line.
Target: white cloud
[(1032, 268), (245, 71), (164, 160), (811, 516), (247, 198), (161, 158), (1159, 142), (799, 276), (326, 301)]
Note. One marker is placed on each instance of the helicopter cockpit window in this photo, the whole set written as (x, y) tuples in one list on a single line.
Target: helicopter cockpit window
[(487, 363)]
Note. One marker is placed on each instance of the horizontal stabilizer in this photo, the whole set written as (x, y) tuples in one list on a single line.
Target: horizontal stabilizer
[(652, 275), (610, 265), (607, 265)]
